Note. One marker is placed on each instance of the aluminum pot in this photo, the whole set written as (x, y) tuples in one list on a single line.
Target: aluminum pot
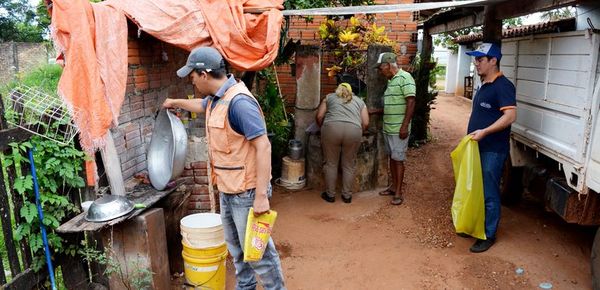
[(108, 207), (168, 148)]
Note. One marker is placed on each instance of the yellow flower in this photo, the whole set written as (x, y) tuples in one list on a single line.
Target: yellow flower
[(333, 70), (377, 30), (323, 31), (347, 36), (354, 21)]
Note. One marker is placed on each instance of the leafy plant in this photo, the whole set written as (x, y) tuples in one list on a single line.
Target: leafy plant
[(58, 169), (138, 276), (279, 123), (45, 78), (347, 42)]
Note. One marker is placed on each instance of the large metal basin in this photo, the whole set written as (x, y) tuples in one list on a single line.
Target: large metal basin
[(168, 148), (108, 207)]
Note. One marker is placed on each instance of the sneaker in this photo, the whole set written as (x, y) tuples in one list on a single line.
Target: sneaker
[(481, 246), (326, 197)]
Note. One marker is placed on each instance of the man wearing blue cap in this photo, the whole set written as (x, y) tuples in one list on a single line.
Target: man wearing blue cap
[(494, 110), (240, 158)]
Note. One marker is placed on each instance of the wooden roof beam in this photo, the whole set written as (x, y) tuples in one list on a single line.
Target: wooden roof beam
[(475, 19), (516, 8)]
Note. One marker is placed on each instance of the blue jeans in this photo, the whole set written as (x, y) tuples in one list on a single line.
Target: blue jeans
[(491, 167), (234, 215)]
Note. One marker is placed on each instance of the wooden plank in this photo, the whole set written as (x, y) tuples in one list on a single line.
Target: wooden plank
[(514, 8), (568, 96), (139, 244), (538, 46), (17, 201), (112, 165), (568, 78), (473, 17), (75, 271), (3, 124), (572, 45), (532, 74), (11, 250), (2, 275), (508, 48), (12, 135), (149, 196), (534, 90), (26, 280), (174, 208), (573, 63), (533, 61)]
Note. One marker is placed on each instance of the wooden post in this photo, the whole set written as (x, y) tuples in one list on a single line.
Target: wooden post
[(492, 26), (112, 166)]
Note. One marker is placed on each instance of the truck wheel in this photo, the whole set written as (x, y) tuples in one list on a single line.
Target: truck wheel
[(511, 184), (595, 260)]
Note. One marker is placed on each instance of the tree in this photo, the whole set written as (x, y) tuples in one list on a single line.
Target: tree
[(558, 14), (446, 39), (19, 21)]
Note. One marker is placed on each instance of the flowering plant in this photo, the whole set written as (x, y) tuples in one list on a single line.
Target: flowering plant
[(347, 41)]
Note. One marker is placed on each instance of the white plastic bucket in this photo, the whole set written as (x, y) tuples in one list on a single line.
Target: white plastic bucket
[(202, 230)]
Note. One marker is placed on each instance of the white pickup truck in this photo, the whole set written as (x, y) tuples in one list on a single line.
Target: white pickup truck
[(555, 141)]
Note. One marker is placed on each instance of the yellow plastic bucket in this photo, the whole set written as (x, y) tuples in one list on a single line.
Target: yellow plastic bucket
[(205, 272), (204, 253)]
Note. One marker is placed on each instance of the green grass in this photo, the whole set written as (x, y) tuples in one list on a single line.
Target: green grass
[(45, 78)]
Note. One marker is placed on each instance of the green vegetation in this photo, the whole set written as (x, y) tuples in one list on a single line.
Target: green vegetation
[(45, 78), (59, 170), (22, 22), (138, 276), (279, 124)]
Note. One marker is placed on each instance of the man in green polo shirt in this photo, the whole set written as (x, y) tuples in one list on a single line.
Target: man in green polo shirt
[(398, 109)]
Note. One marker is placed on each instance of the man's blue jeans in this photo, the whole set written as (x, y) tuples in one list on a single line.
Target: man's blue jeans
[(234, 214), (491, 167)]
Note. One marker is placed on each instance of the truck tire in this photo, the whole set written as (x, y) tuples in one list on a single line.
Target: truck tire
[(511, 184), (595, 261)]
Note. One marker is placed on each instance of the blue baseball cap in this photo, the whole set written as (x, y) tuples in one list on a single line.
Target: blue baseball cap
[(487, 49)]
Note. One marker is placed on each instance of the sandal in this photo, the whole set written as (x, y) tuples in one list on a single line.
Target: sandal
[(397, 201), (387, 192)]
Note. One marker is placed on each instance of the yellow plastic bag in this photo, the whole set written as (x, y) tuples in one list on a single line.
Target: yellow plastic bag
[(258, 231), (468, 207)]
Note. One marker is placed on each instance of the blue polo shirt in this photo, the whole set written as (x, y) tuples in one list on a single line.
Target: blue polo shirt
[(489, 102), (244, 113)]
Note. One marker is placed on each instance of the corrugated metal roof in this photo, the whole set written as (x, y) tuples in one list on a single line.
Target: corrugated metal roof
[(538, 28)]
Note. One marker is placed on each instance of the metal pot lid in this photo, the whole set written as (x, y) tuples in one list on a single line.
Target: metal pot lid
[(108, 207)]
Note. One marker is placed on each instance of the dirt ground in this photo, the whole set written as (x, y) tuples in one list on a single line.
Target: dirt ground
[(370, 244)]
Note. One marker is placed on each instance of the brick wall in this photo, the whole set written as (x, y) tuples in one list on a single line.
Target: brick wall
[(200, 198), (399, 27), (20, 57), (151, 78)]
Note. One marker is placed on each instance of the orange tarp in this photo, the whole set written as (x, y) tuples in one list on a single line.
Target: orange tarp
[(247, 41), (94, 42), (93, 38)]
